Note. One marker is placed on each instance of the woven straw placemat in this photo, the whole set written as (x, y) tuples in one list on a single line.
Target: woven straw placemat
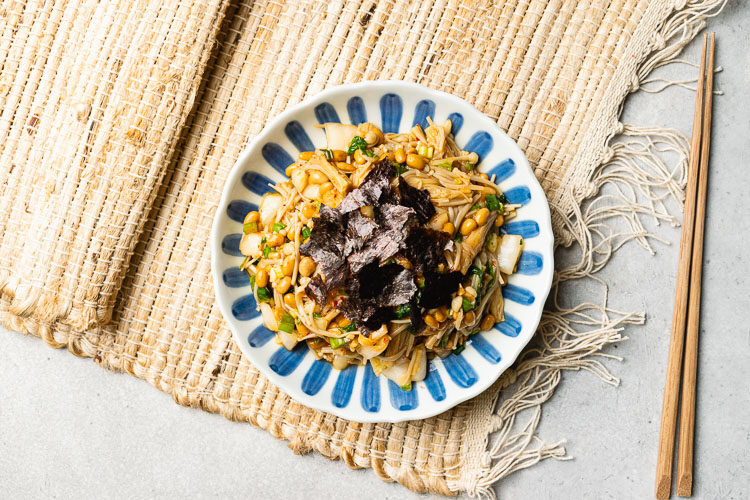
[(94, 96), (552, 73)]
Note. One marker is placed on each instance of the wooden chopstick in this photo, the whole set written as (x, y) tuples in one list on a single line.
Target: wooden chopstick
[(687, 398), (679, 313)]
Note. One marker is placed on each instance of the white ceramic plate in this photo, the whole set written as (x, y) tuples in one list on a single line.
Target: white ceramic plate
[(356, 393)]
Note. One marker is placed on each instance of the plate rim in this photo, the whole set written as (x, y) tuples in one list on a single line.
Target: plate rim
[(483, 383)]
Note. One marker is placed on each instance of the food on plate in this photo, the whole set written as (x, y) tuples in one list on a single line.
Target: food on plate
[(381, 248)]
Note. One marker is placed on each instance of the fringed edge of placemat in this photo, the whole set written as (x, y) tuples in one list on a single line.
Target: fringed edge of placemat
[(629, 159)]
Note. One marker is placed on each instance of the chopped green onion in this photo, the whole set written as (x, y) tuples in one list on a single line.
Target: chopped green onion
[(520, 241), (250, 227), (348, 328), (357, 143), (448, 165), (263, 240), (406, 387), (369, 153), (458, 238), (252, 281), (459, 349), (444, 341), (476, 270), (475, 207), (390, 261), (306, 232), (400, 169), (336, 343), (468, 165), (266, 251), (420, 282), (264, 294), (466, 304), (287, 323), (278, 227), (402, 311), (327, 153), (317, 315), (492, 202)]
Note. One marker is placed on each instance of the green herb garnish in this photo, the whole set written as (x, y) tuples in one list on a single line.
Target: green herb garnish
[(306, 232), (369, 153), (458, 238), (400, 168), (245, 261), (278, 227), (466, 304), (420, 282), (287, 323), (266, 251), (264, 294), (348, 328), (327, 153), (250, 227), (336, 343), (357, 143), (475, 207), (459, 349), (402, 311), (492, 202)]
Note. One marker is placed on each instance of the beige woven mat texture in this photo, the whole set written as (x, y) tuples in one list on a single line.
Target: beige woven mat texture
[(552, 73), (93, 97)]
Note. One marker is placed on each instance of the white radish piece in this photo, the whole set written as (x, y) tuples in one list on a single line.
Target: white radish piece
[(511, 247), (269, 205), (339, 135)]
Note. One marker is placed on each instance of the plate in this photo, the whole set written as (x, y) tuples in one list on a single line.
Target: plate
[(356, 393)]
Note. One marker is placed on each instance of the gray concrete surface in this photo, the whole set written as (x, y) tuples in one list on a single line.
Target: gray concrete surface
[(70, 429)]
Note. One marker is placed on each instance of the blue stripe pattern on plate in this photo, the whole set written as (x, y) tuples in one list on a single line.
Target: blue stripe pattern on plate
[(518, 294), (325, 113), (391, 109), (276, 156), (485, 349), (370, 390), (503, 170), (523, 228), (238, 209), (424, 108), (342, 391), (244, 308), (315, 377), (435, 384), (530, 263), (518, 194), (296, 134), (511, 327), (480, 143), (260, 336), (401, 399), (285, 362), (458, 121), (356, 109), (234, 277), (256, 183), (230, 245), (460, 371)]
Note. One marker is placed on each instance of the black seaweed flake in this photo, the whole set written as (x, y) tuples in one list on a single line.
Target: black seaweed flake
[(438, 288), (374, 291), (369, 193), (418, 199), (317, 290), (394, 223), (424, 248)]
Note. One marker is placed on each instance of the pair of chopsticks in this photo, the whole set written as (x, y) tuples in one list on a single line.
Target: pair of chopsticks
[(685, 316)]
